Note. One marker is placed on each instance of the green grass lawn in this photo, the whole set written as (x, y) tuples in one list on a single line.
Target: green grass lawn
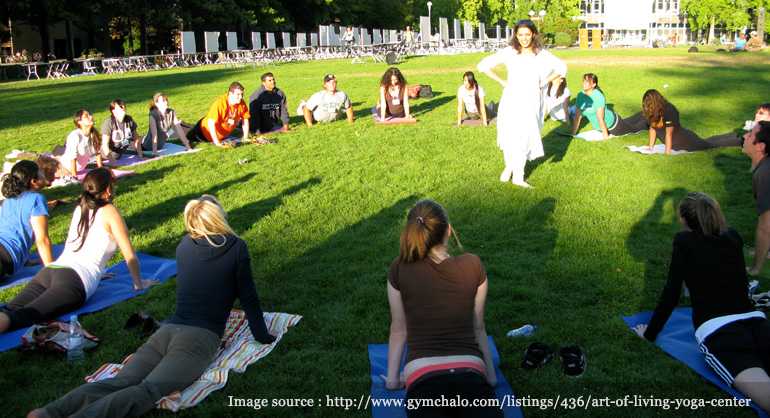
[(322, 209)]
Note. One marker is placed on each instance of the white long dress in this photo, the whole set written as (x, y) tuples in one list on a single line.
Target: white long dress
[(520, 115)]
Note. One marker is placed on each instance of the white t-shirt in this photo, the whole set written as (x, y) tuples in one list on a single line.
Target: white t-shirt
[(553, 102), (78, 147), (468, 98), (326, 106)]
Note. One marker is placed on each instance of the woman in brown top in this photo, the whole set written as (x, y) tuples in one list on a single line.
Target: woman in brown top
[(393, 102), (437, 308)]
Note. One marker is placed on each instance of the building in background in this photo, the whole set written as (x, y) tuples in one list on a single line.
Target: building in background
[(635, 22)]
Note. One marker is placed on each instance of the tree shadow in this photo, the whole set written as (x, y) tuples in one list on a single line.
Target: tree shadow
[(644, 243), (739, 201), (130, 184), (245, 217)]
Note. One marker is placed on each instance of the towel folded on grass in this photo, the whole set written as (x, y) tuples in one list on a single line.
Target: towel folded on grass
[(657, 149), (239, 350)]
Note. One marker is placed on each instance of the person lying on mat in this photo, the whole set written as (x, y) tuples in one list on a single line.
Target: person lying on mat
[(756, 144), (225, 116), (470, 101), (24, 218), (393, 101), (164, 124), (707, 257), (119, 133), (556, 97), (96, 230), (437, 309), (592, 104), (326, 105), (214, 268), (82, 144), (734, 139), (269, 106)]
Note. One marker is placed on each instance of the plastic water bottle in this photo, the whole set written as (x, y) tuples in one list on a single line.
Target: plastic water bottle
[(524, 331), (75, 341)]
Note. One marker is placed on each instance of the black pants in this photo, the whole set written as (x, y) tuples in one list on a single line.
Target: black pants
[(467, 385), (634, 124), (6, 263), (196, 134), (52, 292)]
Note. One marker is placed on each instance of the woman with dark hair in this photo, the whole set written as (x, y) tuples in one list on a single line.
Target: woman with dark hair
[(24, 218), (470, 100), (592, 104), (530, 69), (164, 124), (214, 269), (82, 144), (707, 257), (393, 101), (95, 232), (556, 100), (437, 309), (119, 133)]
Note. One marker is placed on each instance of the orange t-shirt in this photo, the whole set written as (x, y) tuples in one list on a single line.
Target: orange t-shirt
[(225, 117)]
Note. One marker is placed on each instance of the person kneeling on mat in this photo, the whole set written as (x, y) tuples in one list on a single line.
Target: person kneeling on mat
[(470, 100), (327, 104)]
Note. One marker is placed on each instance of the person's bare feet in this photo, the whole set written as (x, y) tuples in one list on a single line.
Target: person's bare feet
[(38, 413)]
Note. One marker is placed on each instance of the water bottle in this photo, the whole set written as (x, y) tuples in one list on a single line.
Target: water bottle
[(524, 331), (75, 341)]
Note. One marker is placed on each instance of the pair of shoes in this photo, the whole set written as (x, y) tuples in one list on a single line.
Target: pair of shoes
[(143, 322), (573, 360)]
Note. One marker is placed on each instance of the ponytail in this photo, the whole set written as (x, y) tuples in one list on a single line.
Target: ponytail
[(702, 214), (95, 184), (19, 179), (426, 226)]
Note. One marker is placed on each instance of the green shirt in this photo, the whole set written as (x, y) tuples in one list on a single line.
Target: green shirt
[(588, 105)]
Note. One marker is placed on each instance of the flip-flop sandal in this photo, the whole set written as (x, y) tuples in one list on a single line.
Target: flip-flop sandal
[(573, 360), (536, 355)]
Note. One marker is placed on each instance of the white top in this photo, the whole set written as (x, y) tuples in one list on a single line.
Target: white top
[(520, 115), (552, 101), (468, 98), (90, 261), (78, 147)]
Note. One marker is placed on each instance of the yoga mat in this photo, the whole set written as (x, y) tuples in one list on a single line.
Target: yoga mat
[(26, 273), (168, 150), (378, 359), (82, 174), (395, 121), (657, 149), (590, 136), (109, 292), (238, 351), (677, 339)]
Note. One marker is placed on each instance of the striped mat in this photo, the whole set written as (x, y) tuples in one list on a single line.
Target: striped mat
[(238, 351)]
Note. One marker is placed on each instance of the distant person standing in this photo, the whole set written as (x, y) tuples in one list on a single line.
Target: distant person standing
[(269, 107)]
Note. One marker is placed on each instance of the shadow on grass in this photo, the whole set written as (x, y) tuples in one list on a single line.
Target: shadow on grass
[(645, 245), (245, 217), (425, 107)]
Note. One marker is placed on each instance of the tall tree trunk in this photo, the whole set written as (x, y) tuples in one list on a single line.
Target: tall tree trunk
[(711, 30), (42, 25)]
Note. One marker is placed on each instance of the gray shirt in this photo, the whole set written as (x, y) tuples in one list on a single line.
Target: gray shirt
[(760, 184), (326, 106)]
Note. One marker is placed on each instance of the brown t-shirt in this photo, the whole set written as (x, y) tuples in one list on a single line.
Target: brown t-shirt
[(438, 301)]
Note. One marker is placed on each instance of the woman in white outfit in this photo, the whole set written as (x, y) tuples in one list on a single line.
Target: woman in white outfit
[(520, 116)]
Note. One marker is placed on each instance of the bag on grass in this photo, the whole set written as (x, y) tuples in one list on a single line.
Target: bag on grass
[(426, 91), (52, 338)]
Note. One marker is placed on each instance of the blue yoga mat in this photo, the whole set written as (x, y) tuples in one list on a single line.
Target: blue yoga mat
[(378, 359), (678, 340), (26, 273), (109, 292)]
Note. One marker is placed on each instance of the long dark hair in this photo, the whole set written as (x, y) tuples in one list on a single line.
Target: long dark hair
[(94, 185), (20, 178), (126, 118), (94, 138), (426, 227), (653, 104), (472, 80), (537, 44), (560, 89), (385, 80)]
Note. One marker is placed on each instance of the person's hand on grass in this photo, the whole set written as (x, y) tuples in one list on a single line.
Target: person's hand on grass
[(640, 329)]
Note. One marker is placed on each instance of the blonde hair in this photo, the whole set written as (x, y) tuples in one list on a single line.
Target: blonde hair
[(204, 217), (702, 214)]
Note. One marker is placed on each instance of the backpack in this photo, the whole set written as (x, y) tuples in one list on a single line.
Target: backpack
[(426, 91)]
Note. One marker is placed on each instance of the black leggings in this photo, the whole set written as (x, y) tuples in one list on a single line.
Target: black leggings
[(52, 292), (466, 385), (634, 124), (6, 263), (682, 139)]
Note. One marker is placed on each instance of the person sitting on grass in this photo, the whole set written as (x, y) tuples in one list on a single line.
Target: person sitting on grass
[(556, 97), (164, 124), (269, 106), (119, 133), (96, 230), (707, 257), (754, 43), (592, 104), (326, 105), (82, 144), (470, 101), (437, 309), (756, 144), (225, 117), (214, 268), (51, 169), (24, 218), (393, 101)]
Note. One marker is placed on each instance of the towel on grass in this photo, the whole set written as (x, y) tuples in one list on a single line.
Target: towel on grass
[(590, 136), (60, 182), (394, 121), (239, 350), (168, 150), (26, 273), (657, 149), (378, 359), (678, 340), (109, 292)]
